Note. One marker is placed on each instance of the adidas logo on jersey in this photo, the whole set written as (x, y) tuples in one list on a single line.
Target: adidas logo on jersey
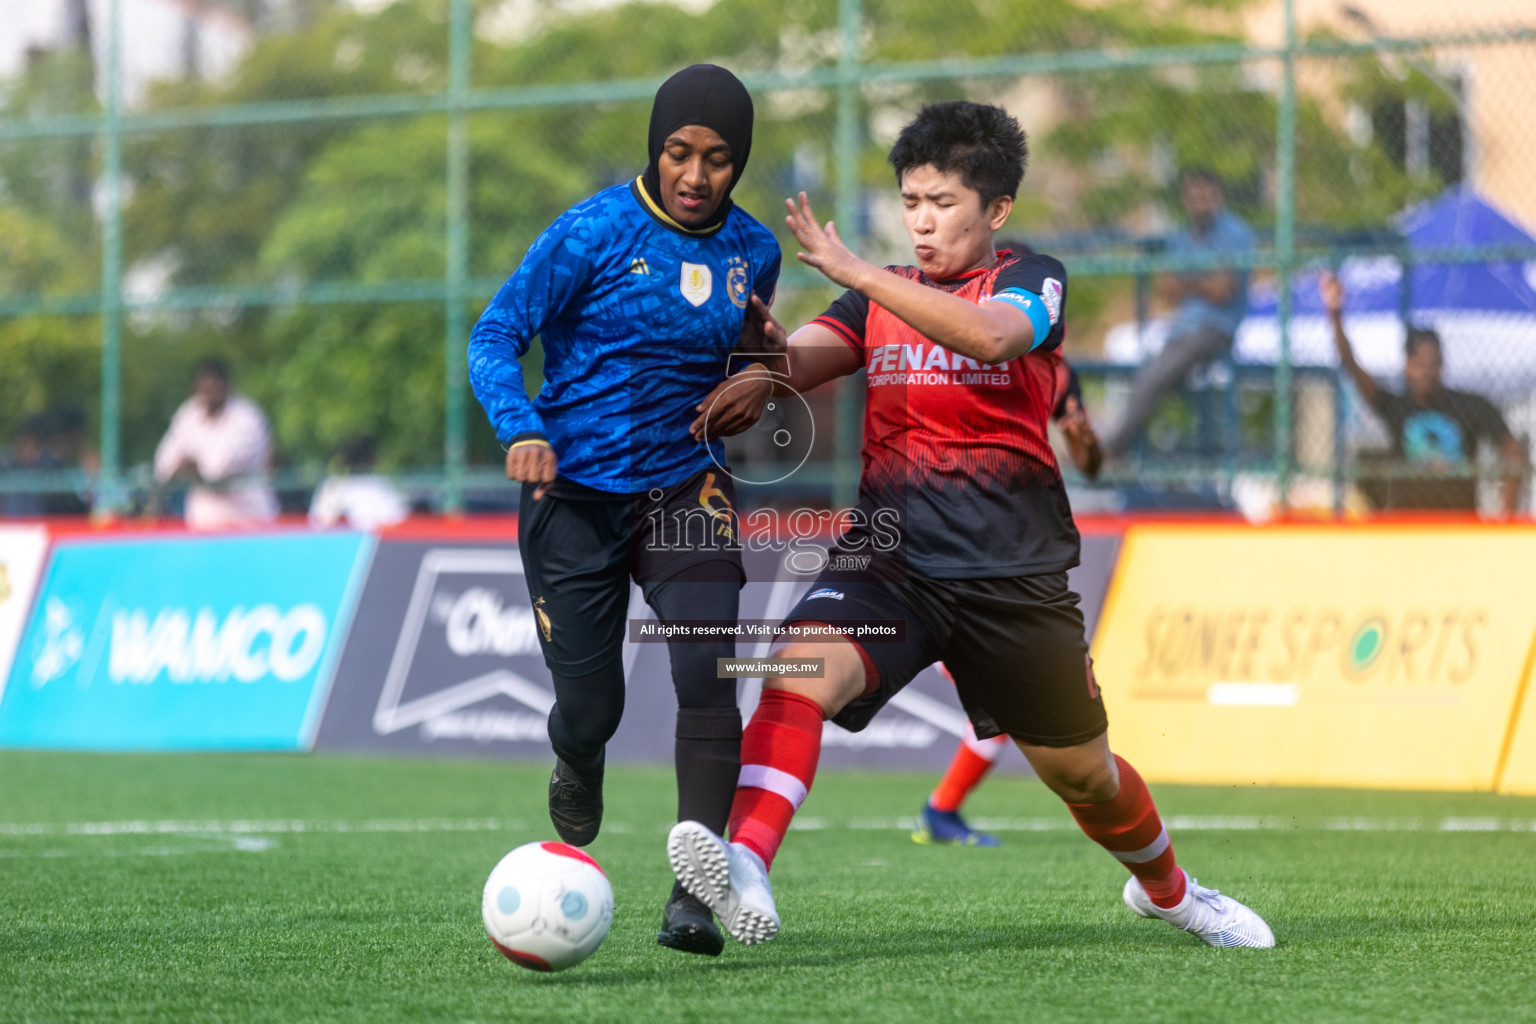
[(639, 266)]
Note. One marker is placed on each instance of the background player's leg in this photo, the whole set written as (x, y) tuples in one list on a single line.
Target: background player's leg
[(708, 745), (940, 821), (973, 759), (1114, 809)]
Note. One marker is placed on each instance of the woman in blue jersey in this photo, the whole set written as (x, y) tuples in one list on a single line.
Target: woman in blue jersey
[(640, 294)]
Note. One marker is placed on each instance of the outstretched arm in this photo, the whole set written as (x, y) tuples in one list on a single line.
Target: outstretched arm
[(813, 356), (1332, 294), (549, 276), (989, 333), (1512, 455)]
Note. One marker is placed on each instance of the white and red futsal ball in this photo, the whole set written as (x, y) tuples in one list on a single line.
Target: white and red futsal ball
[(547, 906)]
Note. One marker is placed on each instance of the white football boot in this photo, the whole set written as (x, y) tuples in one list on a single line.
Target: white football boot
[(1215, 919), (729, 878)]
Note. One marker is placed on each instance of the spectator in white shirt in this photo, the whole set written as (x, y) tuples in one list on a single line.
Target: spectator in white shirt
[(358, 497), (220, 444)]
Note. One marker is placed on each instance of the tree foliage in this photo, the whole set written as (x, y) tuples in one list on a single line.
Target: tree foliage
[(365, 200)]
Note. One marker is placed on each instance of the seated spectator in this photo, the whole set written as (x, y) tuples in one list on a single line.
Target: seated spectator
[(52, 440), (1209, 304), (1434, 429), (220, 444), (28, 451), (358, 497)]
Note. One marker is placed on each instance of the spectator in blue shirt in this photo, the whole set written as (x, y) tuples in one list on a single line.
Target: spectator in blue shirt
[(1209, 304)]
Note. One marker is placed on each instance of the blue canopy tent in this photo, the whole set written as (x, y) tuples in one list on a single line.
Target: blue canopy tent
[(1484, 312)]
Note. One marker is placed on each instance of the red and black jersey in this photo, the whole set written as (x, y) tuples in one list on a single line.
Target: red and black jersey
[(957, 460)]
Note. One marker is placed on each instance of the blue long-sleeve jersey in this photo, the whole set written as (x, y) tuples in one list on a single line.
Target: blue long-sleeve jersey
[(638, 315)]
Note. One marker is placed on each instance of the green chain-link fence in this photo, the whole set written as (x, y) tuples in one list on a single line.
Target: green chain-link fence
[(326, 197)]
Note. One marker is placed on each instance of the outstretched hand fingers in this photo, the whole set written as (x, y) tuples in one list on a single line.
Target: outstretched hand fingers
[(802, 222), (1331, 290), (805, 209), (833, 236)]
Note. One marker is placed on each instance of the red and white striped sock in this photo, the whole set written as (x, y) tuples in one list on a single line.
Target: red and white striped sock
[(972, 760), (1129, 828), (779, 750)]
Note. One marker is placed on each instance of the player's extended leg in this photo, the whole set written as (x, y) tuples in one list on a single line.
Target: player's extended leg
[(1114, 808), (780, 748), (575, 561), (585, 716), (707, 753), (940, 820)]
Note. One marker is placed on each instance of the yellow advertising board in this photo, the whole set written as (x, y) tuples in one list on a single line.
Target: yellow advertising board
[(1517, 767), (1387, 656)]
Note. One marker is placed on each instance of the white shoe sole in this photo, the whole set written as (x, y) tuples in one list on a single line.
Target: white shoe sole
[(703, 866)]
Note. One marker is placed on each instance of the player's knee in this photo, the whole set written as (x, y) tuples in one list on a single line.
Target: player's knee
[(1087, 784), (695, 676), (592, 728), (587, 708), (839, 682), (1076, 774)]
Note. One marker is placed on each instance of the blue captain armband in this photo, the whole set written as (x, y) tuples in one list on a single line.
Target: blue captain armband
[(1032, 306)]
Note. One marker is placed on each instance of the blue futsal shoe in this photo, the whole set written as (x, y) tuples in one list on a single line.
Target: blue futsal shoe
[(949, 829)]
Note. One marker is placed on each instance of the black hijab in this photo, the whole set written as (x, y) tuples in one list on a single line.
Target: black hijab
[(709, 96)]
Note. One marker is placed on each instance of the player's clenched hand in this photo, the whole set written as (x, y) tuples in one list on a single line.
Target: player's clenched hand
[(1081, 439), (532, 462), (823, 249), (736, 403)]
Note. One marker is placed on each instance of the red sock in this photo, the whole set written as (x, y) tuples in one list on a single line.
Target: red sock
[(779, 751), (1129, 828), (972, 760)]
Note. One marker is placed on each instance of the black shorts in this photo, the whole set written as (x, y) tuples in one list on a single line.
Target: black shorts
[(581, 547), (1015, 646)]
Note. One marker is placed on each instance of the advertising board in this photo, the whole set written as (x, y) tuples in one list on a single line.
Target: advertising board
[(1357, 656), (444, 658), (184, 642), (22, 549)]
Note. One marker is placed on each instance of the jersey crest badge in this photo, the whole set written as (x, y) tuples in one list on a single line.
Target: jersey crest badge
[(1050, 291), (736, 281), (697, 283)]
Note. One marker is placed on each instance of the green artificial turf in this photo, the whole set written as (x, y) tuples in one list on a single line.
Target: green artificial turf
[(352, 893)]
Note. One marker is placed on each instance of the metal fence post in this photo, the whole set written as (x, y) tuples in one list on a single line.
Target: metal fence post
[(109, 497), (1285, 256), (845, 449), (461, 36)]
